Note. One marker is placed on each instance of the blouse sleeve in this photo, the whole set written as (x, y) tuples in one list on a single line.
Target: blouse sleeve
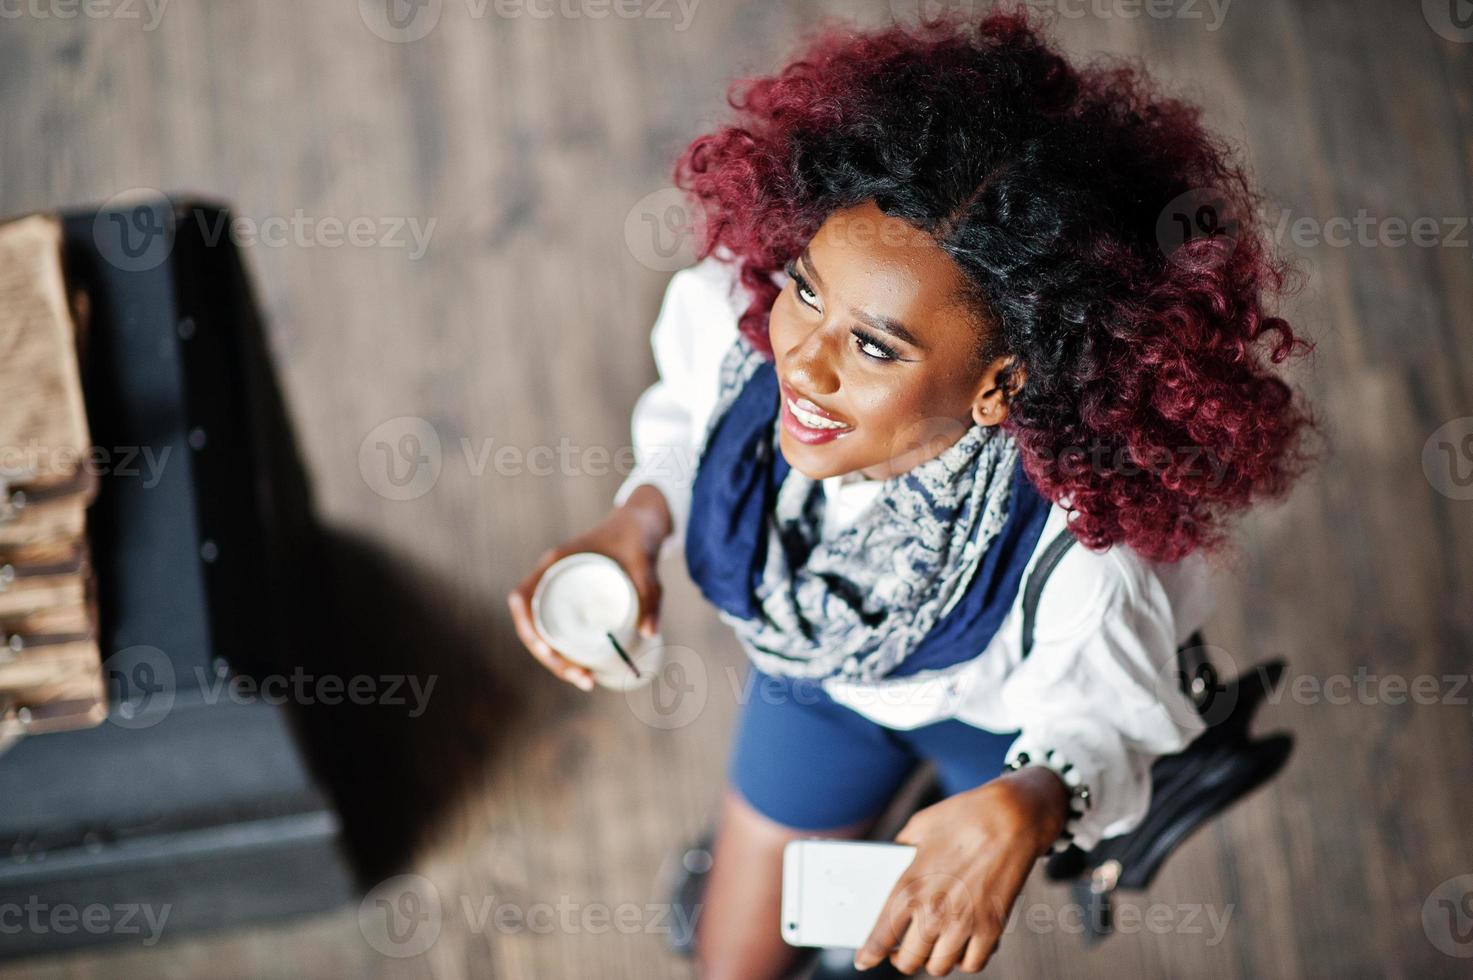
[(696, 323), (1099, 690)]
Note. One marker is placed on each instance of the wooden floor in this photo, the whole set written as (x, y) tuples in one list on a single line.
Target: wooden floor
[(530, 143)]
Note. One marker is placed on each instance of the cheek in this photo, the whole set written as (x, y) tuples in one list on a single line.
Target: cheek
[(918, 415), (882, 407), (900, 401)]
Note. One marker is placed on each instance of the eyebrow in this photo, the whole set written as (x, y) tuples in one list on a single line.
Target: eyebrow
[(884, 324)]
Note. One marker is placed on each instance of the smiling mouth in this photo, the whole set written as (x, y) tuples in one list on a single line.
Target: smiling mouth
[(814, 421), (810, 417), (810, 413)]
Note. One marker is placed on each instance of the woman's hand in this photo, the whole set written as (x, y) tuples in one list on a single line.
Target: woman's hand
[(973, 853), (631, 535)]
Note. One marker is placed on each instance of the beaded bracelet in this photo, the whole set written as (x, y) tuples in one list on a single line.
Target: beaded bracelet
[(1080, 799)]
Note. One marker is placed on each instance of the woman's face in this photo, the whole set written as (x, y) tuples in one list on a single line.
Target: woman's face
[(875, 350)]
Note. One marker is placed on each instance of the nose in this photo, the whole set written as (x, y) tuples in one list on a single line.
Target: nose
[(812, 362)]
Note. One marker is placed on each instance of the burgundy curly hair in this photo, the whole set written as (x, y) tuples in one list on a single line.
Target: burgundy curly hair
[(1146, 402)]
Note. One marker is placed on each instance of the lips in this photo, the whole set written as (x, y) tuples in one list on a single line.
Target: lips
[(808, 421), (808, 410)]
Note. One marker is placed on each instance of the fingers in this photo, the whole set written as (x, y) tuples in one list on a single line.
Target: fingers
[(979, 951), (519, 603), (938, 920), (920, 939), (647, 585), (948, 950), (642, 567), (893, 921)]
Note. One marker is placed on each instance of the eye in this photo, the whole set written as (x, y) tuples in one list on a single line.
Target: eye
[(801, 287), (866, 344)]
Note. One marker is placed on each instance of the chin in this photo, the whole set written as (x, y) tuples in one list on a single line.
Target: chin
[(802, 458)]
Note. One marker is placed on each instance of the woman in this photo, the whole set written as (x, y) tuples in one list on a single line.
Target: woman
[(956, 297)]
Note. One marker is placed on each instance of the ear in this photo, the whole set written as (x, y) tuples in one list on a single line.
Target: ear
[(1001, 379)]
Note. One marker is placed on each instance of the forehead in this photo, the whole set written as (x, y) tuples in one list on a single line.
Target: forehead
[(883, 265)]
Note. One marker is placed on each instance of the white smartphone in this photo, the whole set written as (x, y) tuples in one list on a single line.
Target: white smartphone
[(835, 890)]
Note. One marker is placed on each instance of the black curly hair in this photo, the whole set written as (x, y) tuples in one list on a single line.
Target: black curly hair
[(1090, 217)]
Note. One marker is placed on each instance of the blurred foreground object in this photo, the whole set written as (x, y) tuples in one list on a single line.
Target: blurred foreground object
[(50, 668), (191, 806)]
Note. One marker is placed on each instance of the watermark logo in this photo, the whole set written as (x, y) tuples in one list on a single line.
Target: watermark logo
[(401, 459), (141, 686), (664, 229), (1447, 917), (1197, 229), (134, 229), (927, 906), (1447, 459), (677, 695), (1451, 19), (915, 443), (401, 916), (1196, 673), (400, 21)]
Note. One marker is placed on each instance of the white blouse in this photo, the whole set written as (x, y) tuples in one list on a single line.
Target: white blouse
[(1099, 687)]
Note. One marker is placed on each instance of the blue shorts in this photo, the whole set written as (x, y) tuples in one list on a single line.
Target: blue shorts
[(804, 760)]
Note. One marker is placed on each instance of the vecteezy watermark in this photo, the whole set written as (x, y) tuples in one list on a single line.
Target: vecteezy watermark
[(1367, 230), (1215, 698), (1447, 917), (403, 21), (1128, 918), (143, 686), (1213, 12), (400, 21), (403, 458), (401, 916), (150, 12), (682, 687), (933, 904), (21, 464), (1451, 19), (1366, 687), (1197, 229), (678, 693), (1447, 459), (135, 230), (122, 919), (300, 687), (1200, 229), (404, 915), (302, 230), (664, 229), (1177, 462)]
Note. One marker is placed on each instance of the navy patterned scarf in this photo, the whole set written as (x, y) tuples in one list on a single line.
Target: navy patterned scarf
[(921, 579)]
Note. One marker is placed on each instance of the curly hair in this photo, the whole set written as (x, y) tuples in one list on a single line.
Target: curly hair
[(1142, 399)]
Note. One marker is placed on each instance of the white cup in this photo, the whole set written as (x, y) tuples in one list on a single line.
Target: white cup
[(582, 599)]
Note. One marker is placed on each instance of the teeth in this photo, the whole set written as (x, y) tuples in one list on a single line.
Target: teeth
[(813, 421)]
